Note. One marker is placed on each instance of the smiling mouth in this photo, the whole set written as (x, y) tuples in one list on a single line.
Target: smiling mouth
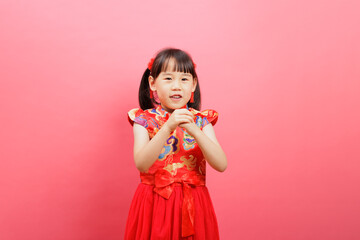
[(176, 97)]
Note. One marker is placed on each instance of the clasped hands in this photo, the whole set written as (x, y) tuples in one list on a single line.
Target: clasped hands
[(184, 119)]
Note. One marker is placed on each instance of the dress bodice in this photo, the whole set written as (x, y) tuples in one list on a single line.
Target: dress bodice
[(180, 154)]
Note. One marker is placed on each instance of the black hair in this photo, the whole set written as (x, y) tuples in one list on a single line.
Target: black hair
[(183, 63)]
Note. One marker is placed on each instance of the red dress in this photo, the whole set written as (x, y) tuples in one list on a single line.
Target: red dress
[(172, 201)]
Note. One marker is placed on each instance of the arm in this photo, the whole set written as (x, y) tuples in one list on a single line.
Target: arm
[(209, 145), (147, 151)]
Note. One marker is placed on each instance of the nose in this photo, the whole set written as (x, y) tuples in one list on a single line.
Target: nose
[(176, 84)]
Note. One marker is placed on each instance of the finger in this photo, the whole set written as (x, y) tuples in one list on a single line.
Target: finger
[(186, 112), (188, 119), (183, 111), (185, 119)]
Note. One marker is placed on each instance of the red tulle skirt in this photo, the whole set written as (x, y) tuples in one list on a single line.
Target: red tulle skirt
[(153, 217)]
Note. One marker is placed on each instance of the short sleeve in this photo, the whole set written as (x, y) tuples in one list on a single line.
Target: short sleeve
[(137, 115), (209, 116)]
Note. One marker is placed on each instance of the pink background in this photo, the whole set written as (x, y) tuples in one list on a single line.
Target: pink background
[(283, 75)]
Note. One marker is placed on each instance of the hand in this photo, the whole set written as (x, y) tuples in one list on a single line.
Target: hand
[(178, 117), (190, 128)]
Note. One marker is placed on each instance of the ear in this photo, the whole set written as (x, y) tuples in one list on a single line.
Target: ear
[(152, 83), (194, 84)]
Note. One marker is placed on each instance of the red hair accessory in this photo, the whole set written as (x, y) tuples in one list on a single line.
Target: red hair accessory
[(151, 63)]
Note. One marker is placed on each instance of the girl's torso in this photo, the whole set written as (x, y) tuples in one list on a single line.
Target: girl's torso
[(180, 154)]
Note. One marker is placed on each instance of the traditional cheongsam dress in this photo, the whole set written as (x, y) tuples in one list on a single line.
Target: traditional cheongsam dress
[(172, 201)]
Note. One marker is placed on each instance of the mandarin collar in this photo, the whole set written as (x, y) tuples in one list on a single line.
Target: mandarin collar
[(164, 113)]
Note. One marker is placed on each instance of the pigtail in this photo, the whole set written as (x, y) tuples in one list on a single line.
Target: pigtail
[(145, 101)]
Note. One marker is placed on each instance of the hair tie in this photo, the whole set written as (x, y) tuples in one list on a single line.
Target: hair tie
[(152, 61)]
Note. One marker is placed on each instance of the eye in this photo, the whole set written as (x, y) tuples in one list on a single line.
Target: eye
[(168, 78), (185, 79)]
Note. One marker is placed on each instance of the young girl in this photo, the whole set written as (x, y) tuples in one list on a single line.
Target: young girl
[(173, 140)]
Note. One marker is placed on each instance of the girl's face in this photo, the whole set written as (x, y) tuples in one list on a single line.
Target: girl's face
[(173, 88)]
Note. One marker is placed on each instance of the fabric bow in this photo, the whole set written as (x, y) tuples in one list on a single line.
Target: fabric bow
[(164, 186)]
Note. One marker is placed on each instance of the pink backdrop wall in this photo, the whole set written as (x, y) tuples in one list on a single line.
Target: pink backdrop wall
[(283, 75)]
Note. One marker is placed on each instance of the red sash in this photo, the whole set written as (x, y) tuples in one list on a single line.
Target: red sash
[(164, 184)]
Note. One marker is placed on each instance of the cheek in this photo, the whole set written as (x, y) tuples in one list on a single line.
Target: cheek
[(188, 88), (161, 92)]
